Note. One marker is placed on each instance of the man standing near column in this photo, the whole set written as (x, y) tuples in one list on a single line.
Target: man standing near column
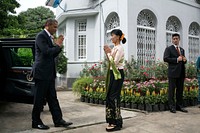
[(174, 55), (44, 74)]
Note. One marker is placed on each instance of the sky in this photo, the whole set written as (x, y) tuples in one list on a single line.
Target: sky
[(25, 4)]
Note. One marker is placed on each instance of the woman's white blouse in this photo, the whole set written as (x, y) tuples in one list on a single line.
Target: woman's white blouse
[(117, 53)]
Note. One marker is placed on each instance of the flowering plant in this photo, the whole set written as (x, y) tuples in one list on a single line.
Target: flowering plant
[(142, 84)]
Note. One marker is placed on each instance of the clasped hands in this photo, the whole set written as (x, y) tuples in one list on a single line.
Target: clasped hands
[(107, 49), (59, 40), (182, 58)]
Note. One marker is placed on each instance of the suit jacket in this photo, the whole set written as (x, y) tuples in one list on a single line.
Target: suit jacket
[(45, 53), (175, 69)]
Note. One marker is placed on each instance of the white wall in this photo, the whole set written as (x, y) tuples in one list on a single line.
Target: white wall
[(128, 11), (120, 7), (162, 9)]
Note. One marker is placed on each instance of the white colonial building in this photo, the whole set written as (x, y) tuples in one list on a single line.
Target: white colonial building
[(147, 25)]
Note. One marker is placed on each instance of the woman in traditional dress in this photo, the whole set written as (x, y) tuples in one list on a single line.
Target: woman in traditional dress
[(115, 78)]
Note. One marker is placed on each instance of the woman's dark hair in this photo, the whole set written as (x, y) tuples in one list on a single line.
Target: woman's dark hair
[(120, 34)]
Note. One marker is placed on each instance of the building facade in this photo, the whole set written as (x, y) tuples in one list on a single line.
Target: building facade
[(147, 25)]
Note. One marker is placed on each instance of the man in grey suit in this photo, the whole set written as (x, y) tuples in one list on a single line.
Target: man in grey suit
[(174, 55), (44, 74)]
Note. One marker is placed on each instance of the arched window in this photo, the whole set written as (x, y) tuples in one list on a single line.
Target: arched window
[(146, 36), (193, 41), (112, 22), (173, 26)]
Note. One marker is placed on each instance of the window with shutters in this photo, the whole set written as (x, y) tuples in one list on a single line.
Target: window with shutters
[(146, 36), (173, 26), (112, 22), (81, 51), (193, 41)]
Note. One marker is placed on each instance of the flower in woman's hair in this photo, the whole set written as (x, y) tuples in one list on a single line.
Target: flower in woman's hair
[(122, 37)]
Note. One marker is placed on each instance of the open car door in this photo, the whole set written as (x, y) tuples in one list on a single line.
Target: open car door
[(17, 57)]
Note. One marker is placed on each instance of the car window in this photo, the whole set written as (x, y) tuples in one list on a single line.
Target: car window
[(21, 57)]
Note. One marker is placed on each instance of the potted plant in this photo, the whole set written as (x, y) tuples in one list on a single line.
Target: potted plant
[(81, 84), (102, 98), (155, 101), (162, 99), (193, 94), (122, 101), (141, 105), (134, 102), (127, 101), (96, 97), (148, 101)]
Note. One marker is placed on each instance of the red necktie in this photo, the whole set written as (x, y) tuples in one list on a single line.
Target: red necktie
[(177, 49)]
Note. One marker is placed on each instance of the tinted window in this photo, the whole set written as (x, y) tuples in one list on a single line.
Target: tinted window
[(21, 57)]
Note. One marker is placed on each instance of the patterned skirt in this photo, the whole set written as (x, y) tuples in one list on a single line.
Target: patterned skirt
[(113, 113)]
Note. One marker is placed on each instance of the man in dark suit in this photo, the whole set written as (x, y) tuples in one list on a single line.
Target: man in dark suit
[(44, 74), (174, 55)]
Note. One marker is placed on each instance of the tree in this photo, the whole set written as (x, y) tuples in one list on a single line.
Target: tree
[(13, 27), (6, 8), (33, 19)]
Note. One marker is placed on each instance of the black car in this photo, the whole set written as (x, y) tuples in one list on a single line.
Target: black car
[(16, 60)]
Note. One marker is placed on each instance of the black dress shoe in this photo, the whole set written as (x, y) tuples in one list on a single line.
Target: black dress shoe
[(173, 110), (40, 126), (115, 128), (63, 123), (182, 110)]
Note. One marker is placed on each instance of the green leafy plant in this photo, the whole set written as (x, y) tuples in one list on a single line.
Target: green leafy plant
[(80, 84), (61, 65), (191, 70)]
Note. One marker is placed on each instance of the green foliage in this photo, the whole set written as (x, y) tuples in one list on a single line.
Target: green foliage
[(80, 84), (25, 55), (135, 99), (130, 70), (22, 57), (191, 70), (160, 70), (61, 63), (26, 24), (14, 33), (7, 7), (133, 72), (102, 96), (96, 70), (35, 18)]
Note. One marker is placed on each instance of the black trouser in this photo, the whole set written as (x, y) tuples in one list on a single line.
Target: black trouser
[(45, 89), (177, 83), (113, 114)]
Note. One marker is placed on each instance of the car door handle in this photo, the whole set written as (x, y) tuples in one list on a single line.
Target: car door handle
[(29, 77)]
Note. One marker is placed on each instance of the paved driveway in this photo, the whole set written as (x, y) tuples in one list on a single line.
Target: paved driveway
[(90, 118)]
